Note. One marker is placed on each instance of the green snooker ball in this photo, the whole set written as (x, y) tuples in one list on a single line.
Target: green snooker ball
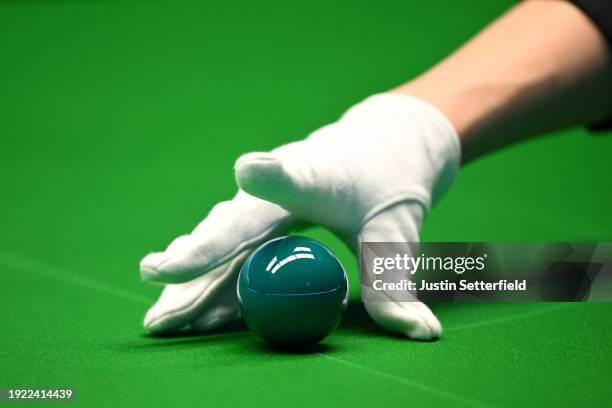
[(292, 291)]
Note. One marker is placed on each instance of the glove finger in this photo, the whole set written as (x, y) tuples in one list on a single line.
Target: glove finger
[(181, 304), (223, 311), (411, 319), (399, 223), (230, 228)]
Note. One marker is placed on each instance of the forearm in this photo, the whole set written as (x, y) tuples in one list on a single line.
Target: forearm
[(540, 67)]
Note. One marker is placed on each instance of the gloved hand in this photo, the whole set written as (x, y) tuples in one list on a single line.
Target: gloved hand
[(370, 177)]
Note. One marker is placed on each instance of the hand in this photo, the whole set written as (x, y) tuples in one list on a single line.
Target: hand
[(369, 177)]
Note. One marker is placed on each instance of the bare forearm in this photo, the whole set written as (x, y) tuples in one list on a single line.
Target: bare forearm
[(540, 67)]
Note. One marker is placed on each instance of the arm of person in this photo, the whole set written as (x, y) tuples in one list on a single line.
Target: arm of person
[(542, 66)]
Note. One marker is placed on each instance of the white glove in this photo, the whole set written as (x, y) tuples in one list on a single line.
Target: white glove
[(370, 177)]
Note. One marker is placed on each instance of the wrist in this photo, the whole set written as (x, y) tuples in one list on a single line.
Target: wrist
[(468, 107)]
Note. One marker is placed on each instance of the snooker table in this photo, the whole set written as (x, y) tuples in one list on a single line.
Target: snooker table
[(119, 126)]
